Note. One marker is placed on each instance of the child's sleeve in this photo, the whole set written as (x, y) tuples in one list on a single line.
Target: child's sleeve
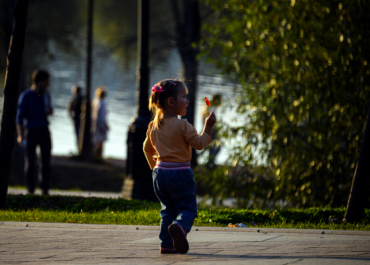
[(148, 147), (196, 141)]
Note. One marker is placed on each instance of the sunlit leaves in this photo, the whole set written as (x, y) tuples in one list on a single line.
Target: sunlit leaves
[(306, 64)]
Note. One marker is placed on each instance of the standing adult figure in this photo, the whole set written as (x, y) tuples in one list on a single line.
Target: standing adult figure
[(74, 109), (32, 129), (99, 124)]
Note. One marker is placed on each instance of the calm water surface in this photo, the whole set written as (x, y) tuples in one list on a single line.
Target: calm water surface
[(121, 100)]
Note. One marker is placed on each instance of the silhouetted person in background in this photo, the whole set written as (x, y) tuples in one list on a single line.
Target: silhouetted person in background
[(74, 110), (33, 108), (99, 124)]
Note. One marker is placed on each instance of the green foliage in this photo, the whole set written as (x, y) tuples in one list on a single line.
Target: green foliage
[(312, 216), (51, 25), (130, 217), (69, 209), (58, 21), (75, 204), (251, 187), (116, 29), (303, 67)]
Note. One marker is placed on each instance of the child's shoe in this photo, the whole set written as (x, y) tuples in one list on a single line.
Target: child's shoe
[(167, 251), (178, 235)]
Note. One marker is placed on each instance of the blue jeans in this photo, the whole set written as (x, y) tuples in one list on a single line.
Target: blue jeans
[(175, 190)]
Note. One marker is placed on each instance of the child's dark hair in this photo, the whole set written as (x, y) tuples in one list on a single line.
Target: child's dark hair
[(157, 100), (39, 76)]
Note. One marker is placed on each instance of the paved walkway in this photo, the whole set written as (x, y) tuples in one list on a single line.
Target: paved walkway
[(53, 243)]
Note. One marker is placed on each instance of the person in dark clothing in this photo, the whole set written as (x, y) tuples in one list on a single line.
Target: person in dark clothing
[(32, 116), (74, 109)]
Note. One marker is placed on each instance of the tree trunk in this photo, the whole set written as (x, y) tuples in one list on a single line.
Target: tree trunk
[(190, 74), (8, 7), (359, 194), (7, 23), (85, 141), (10, 98), (188, 32)]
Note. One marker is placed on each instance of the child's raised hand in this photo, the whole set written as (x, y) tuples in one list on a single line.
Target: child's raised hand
[(211, 119)]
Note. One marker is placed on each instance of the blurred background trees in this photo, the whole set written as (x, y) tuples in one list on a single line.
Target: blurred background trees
[(303, 70), (61, 25), (56, 41)]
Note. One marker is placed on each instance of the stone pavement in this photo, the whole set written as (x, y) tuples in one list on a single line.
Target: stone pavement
[(55, 243)]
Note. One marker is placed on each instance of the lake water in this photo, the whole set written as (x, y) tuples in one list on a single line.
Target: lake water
[(121, 98)]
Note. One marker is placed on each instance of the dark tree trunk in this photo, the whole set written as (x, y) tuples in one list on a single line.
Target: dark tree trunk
[(188, 32), (8, 6), (359, 194), (7, 23), (10, 98), (85, 143)]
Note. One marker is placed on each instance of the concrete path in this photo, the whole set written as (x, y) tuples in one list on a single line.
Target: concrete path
[(54, 243)]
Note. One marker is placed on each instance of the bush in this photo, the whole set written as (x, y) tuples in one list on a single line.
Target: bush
[(304, 76)]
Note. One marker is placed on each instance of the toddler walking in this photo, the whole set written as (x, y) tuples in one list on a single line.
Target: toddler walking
[(167, 148)]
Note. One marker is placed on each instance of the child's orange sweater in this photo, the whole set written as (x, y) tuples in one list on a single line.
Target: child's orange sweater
[(172, 142)]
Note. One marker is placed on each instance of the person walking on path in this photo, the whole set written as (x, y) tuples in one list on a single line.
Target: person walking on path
[(167, 148), (99, 124), (32, 120), (74, 109)]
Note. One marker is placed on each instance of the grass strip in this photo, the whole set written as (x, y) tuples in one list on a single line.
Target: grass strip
[(74, 203), (73, 209)]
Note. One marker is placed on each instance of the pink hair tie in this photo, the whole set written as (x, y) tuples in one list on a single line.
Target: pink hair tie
[(157, 89)]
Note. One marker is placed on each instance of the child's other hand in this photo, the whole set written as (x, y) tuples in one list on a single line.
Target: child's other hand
[(211, 119)]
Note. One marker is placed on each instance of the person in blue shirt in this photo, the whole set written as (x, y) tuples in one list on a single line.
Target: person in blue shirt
[(32, 120)]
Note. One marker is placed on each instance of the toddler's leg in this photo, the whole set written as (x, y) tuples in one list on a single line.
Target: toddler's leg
[(168, 212), (182, 189)]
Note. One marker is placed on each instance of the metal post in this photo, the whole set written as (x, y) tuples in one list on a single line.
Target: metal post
[(139, 184), (85, 144)]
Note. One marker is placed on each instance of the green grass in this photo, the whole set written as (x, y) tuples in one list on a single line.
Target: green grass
[(72, 209)]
